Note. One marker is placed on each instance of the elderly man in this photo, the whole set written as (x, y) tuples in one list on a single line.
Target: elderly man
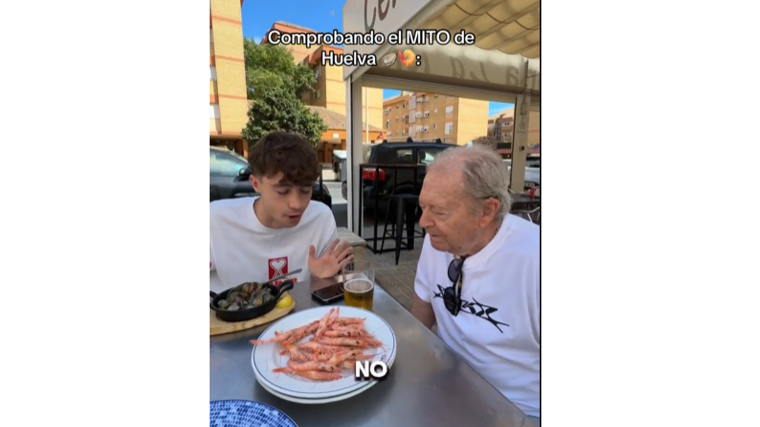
[(478, 277)]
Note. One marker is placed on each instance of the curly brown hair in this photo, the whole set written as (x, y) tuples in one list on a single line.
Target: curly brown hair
[(286, 152)]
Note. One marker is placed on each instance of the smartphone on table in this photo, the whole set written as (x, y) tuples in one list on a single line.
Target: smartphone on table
[(329, 294)]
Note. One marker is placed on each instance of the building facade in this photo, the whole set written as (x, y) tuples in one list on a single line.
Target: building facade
[(501, 126), (334, 138), (428, 116), (227, 85)]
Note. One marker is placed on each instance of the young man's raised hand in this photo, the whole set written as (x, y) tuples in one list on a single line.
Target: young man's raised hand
[(332, 261)]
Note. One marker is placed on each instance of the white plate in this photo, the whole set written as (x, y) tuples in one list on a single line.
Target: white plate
[(265, 358), (320, 401), (269, 388)]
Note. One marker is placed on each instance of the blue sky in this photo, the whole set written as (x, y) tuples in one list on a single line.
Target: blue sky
[(323, 15)]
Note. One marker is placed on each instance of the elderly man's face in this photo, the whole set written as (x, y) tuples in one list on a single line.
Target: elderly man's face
[(446, 212)]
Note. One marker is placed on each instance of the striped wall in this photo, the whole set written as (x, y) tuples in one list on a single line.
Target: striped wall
[(227, 88)]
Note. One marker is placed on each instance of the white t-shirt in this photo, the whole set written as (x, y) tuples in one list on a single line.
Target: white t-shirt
[(244, 250), (498, 329)]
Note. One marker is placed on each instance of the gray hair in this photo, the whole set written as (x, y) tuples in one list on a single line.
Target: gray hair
[(484, 174)]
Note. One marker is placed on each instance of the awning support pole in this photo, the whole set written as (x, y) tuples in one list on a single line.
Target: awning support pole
[(520, 136), (354, 152)]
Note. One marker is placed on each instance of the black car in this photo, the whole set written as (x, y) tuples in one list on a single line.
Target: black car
[(398, 181), (230, 175)]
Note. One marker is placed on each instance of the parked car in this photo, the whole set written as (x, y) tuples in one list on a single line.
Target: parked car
[(230, 175), (400, 181), (532, 170)]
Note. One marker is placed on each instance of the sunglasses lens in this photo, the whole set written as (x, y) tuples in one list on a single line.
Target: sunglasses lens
[(449, 300), (454, 267)]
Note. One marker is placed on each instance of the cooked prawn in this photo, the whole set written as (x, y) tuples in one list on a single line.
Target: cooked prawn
[(350, 320), (277, 338), (344, 334), (349, 342), (314, 346), (311, 366), (296, 354), (327, 320), (350, 328), (350, 363), (339, 358), (301, 333)]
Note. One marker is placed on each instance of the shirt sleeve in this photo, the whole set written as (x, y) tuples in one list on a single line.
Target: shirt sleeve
[(212, 266), (422, 285)]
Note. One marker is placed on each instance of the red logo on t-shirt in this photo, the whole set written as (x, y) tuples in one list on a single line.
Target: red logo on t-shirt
[(279, 267)]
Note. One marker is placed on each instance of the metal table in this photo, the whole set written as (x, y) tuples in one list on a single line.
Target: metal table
[(428, 383)]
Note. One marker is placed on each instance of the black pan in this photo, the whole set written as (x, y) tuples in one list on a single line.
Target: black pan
[(250, 313)]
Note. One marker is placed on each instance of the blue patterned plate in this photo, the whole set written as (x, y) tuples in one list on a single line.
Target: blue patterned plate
[(244, 413)]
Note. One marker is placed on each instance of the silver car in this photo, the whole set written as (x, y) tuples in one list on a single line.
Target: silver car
[(532, 170)]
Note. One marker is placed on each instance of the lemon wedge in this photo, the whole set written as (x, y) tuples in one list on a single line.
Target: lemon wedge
[(285, 302)]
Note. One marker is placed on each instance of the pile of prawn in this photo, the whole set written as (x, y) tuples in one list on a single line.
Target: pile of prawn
[(336, 343)]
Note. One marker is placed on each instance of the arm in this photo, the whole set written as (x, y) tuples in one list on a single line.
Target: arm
[(423, 311), (421, 307)]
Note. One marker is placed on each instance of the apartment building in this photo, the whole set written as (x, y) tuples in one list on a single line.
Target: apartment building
[(501, 127), (428, 116), (227, 86), (330, 89)]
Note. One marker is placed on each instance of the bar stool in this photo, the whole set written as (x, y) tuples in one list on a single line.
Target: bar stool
[(405, 213)]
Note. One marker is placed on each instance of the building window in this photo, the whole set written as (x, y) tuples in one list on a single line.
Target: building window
[(317, 93), (213, 73), (317, 71), (449, 128), (435, 111), (435, 126), (214, 111), (387, 124), (449, 109)]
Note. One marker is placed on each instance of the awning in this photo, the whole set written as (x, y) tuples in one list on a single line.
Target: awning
[(503, 65), (507, 39)]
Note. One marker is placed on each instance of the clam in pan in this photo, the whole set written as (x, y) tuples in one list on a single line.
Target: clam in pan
[(245, 296)]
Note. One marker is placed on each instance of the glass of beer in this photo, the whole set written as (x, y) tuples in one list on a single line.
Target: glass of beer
[(359, 284)]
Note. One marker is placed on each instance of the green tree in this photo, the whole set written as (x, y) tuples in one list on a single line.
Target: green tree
[(275, 88), (277, 108)]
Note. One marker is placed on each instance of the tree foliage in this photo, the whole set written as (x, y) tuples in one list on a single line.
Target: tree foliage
[(275, 88), (277, 108)]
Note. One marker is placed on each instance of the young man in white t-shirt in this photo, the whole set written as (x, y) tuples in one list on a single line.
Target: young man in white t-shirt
[(478, 276), (260, 238)]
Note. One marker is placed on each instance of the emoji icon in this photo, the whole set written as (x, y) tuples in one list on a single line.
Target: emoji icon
[(388, 59), (407, 57)]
